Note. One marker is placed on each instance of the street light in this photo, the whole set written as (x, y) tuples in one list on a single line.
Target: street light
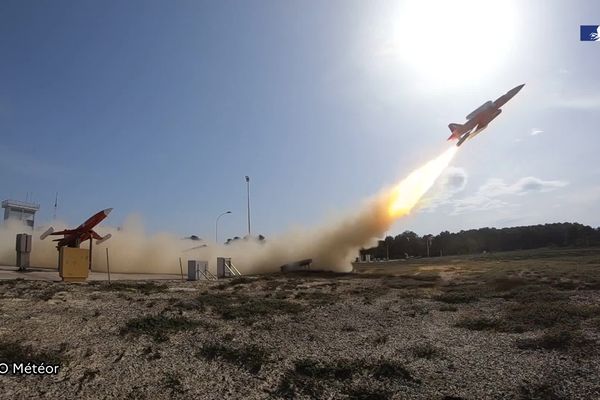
[(248, 196), (217, 226)]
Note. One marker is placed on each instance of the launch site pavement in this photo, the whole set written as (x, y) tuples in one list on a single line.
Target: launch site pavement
[(46, 274)]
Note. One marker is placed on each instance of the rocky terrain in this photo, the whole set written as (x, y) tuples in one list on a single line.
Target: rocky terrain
[(519, 325)]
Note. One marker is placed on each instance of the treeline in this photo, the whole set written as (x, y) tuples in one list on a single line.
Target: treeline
[(409, 244)]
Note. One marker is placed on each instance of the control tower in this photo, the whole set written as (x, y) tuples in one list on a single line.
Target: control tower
[(20, 211)]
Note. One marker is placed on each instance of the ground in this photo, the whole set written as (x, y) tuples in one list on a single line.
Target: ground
[(517, 325)]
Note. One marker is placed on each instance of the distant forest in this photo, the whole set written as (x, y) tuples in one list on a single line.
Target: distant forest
[(474, 241)]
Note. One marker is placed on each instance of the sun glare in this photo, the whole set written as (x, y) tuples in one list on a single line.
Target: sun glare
[(447, 43)]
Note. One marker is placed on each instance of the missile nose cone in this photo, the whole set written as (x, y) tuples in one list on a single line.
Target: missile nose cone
[(513, 92), (516, 90), (107, 211)]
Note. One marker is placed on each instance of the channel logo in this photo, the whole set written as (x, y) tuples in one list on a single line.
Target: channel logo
[(589, 33)]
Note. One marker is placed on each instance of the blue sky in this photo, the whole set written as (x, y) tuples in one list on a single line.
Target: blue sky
[(161, 108)]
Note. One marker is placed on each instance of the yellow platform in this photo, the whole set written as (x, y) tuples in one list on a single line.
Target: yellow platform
[(73, 264)]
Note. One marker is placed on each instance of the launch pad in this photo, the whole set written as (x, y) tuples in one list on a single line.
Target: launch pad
[(9, 272)]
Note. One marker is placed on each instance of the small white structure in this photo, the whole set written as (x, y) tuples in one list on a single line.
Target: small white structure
[(225, 268), (20, 211), (23, 247), (198, 270)]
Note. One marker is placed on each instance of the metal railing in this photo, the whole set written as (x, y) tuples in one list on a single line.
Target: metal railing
[(232, 269)]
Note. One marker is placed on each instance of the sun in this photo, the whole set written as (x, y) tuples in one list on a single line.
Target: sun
[(447, 43)]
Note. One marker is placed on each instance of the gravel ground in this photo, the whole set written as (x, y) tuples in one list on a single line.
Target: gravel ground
[(398, 335)]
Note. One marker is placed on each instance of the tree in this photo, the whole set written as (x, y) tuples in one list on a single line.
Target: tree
[(486, 239)]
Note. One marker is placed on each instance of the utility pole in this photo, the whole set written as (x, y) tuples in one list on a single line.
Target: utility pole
[(55, 206), (248, 197)]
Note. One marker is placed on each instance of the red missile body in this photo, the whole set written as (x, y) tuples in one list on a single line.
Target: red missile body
[(479, 119), (85, 231)]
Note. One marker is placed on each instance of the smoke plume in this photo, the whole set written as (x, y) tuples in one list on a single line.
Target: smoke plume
[(331, 246)]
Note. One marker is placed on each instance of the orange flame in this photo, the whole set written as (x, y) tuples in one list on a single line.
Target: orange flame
[(406, 194)]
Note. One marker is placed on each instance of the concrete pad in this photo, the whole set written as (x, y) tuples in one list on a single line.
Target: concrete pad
[(47, 274)]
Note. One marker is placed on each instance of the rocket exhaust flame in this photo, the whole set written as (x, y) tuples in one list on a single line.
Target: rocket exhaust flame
[(408, 192), (332, 246), (335, 244)]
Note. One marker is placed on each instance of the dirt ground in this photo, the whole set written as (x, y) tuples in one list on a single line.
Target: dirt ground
[(517, 325)]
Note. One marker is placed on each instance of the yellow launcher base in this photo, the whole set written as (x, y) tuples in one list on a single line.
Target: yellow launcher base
[(73, 264)]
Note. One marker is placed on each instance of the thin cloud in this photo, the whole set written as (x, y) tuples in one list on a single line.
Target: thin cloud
[(532, 184), (586, 102), (452, 181), (478, 203), (492, 194), (535, 132)]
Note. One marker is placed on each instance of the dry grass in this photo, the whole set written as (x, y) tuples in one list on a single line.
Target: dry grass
[(249, 357), (158, 326), (17, 352), (130, 287), (403, 332), (312, 378), (558, 339)]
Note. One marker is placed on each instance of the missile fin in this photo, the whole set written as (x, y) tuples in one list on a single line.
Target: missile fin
[(48, 232)]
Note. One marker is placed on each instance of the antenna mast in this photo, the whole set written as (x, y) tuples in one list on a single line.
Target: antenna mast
[(55, 206)]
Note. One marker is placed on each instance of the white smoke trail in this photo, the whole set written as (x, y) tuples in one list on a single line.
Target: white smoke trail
[(331, 246)]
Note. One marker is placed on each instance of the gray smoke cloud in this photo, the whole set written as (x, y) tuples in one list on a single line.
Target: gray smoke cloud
[(131, 249), (331, 246)]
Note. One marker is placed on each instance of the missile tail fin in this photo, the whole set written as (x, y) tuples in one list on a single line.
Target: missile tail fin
[(454, 126), (455, 129)]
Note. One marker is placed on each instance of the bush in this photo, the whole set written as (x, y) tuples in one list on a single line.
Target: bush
[(534, 294), (16, 352), (364, 393), (392, 370), (251, 357), (172, 382), (142, 287), (426, 350), (555, 340), (478, 323), (341, 370), (311, 377), (246, 308), (547, 315), (509, 283), (456, 297), (318, 298), (158, 327), (541, 391), (259, 308), (448, 308)]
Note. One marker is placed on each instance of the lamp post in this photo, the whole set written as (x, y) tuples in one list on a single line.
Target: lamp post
[(217, 225), (248, 197)]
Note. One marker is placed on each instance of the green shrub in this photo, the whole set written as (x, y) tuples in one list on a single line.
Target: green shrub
[(426, 350), (158, 326), (456, 297), (17, 352), (250, 357), (478, 323), (555, 340)]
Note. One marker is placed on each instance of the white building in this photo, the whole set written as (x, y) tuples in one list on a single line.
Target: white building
[(20, 211)]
